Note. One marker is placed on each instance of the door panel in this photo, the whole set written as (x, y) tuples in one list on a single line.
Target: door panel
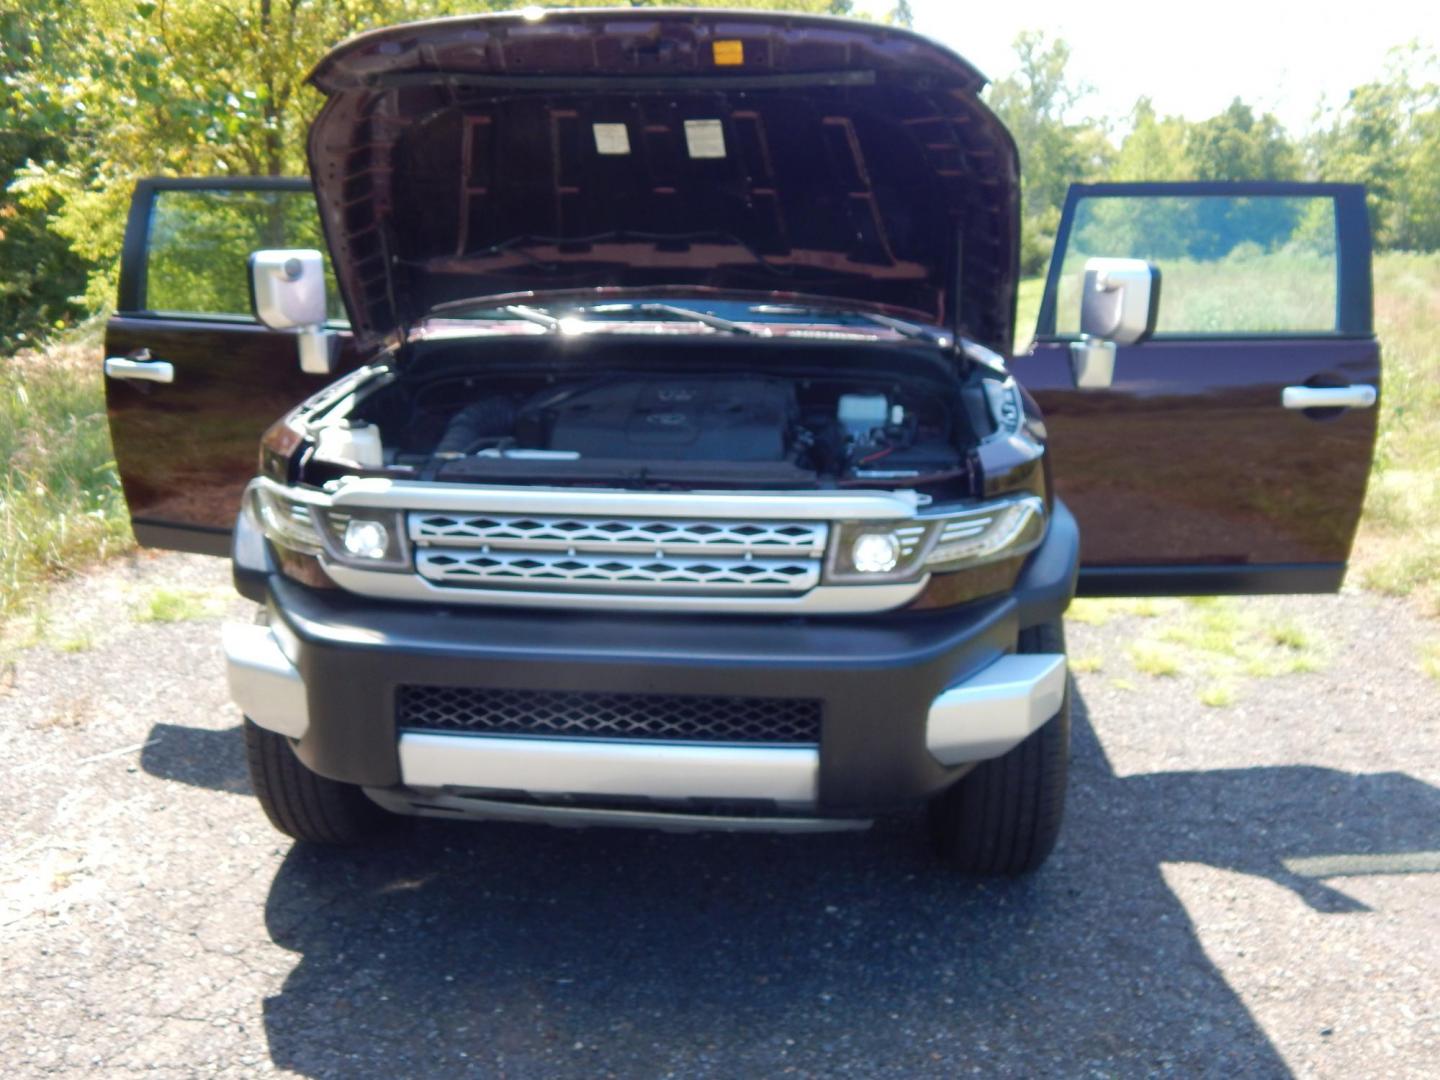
[(1188, 474), (187, 448)]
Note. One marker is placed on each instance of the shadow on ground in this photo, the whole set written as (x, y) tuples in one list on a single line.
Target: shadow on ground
[(505, 950), (199, 757)]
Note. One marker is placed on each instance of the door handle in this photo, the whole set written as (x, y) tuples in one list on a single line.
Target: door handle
[(123, 367), (1359, 396)]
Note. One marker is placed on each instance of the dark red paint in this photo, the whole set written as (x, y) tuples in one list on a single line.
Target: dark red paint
[(1189, 457)]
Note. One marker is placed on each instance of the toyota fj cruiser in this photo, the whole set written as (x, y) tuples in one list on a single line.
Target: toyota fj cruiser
[(664, 462)]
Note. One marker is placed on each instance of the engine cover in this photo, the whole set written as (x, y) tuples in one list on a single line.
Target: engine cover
[(678, 420)]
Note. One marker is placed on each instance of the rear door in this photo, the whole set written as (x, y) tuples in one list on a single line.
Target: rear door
[(1205, 466), (186, 447)]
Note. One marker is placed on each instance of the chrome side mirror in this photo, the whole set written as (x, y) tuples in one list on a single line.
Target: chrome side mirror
[(287, 291), (1118, 306)]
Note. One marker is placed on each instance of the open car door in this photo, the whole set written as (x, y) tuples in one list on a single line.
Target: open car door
[(1229, 451), (192, 379)]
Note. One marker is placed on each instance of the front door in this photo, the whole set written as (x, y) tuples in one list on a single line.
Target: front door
[(1207, 466), (192, 380)]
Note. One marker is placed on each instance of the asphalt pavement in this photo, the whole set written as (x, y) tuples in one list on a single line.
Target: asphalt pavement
[(1244, 890)]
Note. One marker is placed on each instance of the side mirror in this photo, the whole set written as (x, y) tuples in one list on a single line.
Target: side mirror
[(1118, 306), (287, 290)]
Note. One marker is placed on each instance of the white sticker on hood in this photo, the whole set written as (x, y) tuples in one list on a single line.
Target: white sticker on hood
[(612, 138), (705, 138)]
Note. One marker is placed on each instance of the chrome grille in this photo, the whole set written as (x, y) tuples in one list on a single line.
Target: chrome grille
[(672, 535), (574, 714), (671, 555), (615, 571)]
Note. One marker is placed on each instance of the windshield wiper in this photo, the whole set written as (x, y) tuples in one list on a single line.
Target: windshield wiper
[(715, 322), (901, 326)]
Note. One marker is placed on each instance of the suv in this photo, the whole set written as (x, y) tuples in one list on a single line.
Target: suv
[(663, 462)]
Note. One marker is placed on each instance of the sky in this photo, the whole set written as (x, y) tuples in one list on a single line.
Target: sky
[(1193, 58)]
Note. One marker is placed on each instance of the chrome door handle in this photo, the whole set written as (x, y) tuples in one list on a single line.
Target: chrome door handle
[(1359, 396), (122, 367)]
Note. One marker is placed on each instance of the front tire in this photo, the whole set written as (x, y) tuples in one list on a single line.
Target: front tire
[(302, 804), (1002, 818)]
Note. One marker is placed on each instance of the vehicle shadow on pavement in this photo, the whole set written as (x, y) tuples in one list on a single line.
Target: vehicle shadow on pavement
[(200, 757), (524, 951)]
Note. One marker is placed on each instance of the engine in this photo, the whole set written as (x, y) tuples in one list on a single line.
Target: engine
[(676, 420), (726, 429)]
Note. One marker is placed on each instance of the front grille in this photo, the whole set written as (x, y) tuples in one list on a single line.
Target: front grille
[(619, 534), (574, 714), (672, 555), (615, 571)]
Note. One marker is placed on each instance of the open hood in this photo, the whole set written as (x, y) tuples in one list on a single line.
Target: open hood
[(641, 151)]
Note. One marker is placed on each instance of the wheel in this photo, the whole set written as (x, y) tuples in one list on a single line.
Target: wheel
[(303, 804), (1002, 818)]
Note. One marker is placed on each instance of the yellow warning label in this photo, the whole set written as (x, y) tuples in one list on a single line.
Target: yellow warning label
[(729, 53)]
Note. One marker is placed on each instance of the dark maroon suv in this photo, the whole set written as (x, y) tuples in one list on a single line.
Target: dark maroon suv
[(651, 449)]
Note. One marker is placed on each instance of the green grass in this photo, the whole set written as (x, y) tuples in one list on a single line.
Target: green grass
[(1399, 548), (174, 605), (1430, 659), (60, 500), (1156, 659), (1218, 696), (1221, 642)]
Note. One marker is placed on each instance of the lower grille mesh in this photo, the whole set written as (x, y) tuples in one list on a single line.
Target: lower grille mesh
[(679, 717)]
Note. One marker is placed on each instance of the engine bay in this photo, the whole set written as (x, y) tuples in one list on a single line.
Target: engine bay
[(647, 428), (723, 413)]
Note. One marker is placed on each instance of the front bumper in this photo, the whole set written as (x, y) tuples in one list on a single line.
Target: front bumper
[(909, 700)]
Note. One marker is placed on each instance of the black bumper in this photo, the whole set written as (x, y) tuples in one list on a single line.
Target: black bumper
[(875, 675)]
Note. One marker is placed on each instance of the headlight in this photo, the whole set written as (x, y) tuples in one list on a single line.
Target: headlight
[(1000, 530), (945, 541), (875, 552), (287, 523), (366, 539)]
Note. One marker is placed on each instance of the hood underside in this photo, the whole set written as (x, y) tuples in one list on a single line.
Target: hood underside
[(626, 152)]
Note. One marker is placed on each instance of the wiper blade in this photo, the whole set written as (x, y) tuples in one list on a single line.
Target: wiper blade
[(901, 326), (715, 322), (533, 315)]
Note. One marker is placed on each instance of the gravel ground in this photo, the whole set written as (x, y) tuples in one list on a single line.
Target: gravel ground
[(1251, 889)]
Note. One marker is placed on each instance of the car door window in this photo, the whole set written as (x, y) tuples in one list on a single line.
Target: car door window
[(1231, 265), (199, 240)]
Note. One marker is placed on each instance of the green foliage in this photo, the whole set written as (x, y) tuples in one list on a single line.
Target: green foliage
[(1037, 103), (1387, 136), (1238, 145), (40, 276), (60, 499)]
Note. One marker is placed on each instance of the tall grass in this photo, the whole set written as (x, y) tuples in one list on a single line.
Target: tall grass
[(60, 500), (1399, 547)]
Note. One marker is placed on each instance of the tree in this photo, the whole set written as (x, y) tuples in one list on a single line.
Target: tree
[(40, 276), (1387, 136), (1154, 148), (1238, 145), (901, 15), (1037, 103)]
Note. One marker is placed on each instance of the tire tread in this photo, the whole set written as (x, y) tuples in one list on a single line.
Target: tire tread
[(302, 804), (1003, 817)]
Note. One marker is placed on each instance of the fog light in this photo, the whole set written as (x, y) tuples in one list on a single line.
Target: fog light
[(366, 539), (875, 553)]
